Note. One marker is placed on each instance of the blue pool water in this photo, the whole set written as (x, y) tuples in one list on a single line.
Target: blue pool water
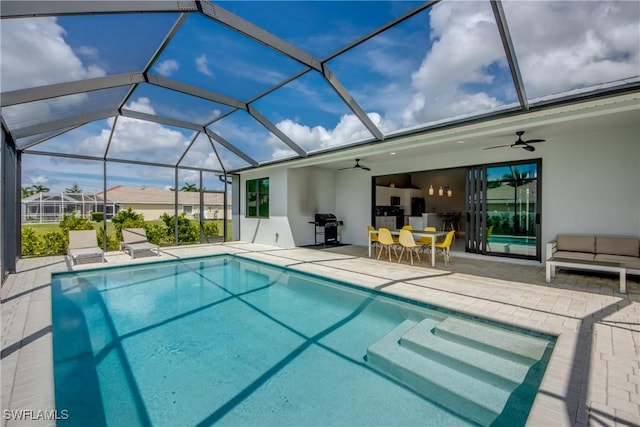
[(228, 341), (513, 240)]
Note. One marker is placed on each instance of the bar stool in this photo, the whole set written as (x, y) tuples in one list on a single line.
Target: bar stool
[(450, 223)]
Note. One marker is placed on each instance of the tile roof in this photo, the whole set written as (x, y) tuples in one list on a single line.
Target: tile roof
[(153, 195)]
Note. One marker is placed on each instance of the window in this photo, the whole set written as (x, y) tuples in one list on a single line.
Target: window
[(258, 198), (187, 209)]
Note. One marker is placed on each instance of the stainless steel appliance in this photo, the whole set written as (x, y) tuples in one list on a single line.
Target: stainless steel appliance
[(326, 225)]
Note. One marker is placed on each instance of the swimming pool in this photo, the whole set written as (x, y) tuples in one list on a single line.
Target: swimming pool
[(513, 240), (228, 341)]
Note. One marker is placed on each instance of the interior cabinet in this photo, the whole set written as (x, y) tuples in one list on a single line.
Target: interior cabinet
[(384, 194), (386, 222)]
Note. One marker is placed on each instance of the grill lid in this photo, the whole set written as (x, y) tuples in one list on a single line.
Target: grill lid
[(322, 219)]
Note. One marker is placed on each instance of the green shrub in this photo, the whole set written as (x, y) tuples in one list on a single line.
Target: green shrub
[(97, 216), (73, 222), (158, 234), (30, 242), (113, 244), (211, 229), (187, 231), (127, 219), (54, 242)]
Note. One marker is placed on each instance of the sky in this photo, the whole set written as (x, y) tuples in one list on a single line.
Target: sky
[(443, 63)]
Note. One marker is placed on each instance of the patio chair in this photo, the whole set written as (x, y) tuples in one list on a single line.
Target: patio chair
[(134, 240), (408, 244), (83, 247), (386, 242), (489, 232), (374, 238), (444, 248), (425, 241)]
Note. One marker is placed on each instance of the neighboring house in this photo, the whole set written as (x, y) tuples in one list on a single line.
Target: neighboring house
[(51, 207), (153, 202)]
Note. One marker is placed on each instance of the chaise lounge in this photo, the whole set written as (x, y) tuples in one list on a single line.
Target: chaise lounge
[(83, 247), (134, 240)]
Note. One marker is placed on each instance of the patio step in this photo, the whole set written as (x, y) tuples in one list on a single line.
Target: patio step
[(459, 392), (501, 342)]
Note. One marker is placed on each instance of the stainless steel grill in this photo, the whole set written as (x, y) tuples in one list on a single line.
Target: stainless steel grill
[(326, 225)]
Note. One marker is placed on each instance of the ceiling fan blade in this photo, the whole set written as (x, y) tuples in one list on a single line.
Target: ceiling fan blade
[(533, 141), (529, 148), (497, 146), (365, 168)]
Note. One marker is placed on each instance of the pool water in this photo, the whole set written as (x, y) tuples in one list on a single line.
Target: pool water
[(228, 341), (513, 240)]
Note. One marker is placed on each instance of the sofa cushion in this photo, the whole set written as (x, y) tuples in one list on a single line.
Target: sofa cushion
[(574, 255), (618, 246), (626, 261), (576, 243)]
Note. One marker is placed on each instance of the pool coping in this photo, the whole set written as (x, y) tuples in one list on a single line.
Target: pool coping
[(27, 358)]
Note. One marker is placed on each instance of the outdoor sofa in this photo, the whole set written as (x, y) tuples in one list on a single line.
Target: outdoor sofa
[(613, 254)]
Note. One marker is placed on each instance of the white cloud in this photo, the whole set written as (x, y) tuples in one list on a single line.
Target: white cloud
[(88, 52), (349, 129), (34, 53), (201, 63), (167, 67), (142, 104), (466, 43), (567, 45)]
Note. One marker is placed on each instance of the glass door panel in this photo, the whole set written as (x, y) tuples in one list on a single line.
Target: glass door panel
[(503, 209)]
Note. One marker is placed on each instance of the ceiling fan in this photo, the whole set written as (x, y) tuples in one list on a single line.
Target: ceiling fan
[(520, 143), (358, 166)]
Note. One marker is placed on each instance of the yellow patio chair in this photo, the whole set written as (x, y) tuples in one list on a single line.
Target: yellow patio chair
[(408, 244), (424, 241), (407, 227), (444, 247), (386, 242), (489, 231), (374, 238)]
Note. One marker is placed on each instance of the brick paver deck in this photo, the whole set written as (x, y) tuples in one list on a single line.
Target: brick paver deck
[(593, 377)]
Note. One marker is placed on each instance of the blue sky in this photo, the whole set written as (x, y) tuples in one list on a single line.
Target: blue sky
[(445, 62)]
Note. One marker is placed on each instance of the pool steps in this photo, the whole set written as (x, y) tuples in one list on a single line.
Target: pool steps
[(455, 368), (492, 339), (499, 371)]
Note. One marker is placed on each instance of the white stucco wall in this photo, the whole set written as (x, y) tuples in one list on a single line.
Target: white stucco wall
[(311, 191), (590, 184), (276, 229)]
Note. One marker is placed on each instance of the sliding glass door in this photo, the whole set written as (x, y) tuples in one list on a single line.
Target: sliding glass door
[(503, 209)]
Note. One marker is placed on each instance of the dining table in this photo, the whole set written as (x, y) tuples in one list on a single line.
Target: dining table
[(416, 233)]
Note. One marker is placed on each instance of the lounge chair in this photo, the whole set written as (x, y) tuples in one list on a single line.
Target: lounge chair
[(135, 240), (83, 247)]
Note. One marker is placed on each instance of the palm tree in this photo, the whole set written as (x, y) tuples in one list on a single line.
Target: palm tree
[(74, 189), (27, 191), (190, 188), (37, 188)]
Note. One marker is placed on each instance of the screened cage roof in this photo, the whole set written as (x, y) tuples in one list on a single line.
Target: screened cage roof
[(226, 86)]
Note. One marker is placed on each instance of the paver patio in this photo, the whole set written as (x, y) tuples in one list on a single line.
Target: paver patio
[(593, 377)]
